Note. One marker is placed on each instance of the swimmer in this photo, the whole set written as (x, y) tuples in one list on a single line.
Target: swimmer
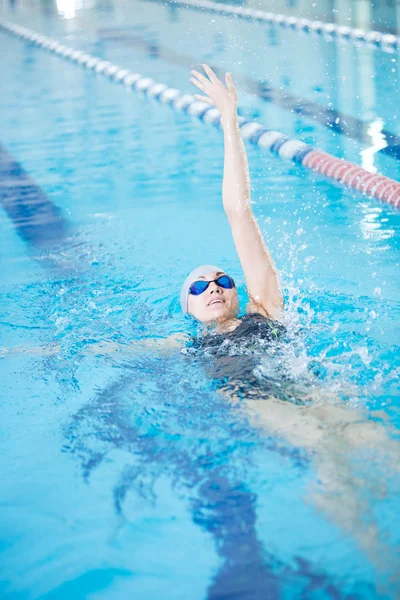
[(332, 433), (208, 293)]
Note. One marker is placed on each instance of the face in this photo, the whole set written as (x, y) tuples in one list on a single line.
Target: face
[(216, 304)]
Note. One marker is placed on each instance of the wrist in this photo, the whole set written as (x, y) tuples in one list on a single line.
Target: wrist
[(229, 120)]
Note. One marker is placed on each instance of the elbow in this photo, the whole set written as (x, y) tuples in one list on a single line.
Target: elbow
[(239, 214)]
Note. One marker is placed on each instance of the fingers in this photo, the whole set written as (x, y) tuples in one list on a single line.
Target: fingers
[(229, 82), (212, 86), (211, 74), (204, 99), (198, 84), (203, 80)]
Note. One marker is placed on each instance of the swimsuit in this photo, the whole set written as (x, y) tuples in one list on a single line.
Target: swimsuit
[(246, 360)]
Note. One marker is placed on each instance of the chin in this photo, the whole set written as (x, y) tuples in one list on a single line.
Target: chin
[(216, 316), (222, 314)]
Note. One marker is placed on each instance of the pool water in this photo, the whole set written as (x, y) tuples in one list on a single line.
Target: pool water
[(126, 473)]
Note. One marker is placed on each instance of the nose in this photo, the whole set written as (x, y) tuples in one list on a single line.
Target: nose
[(214, 287)]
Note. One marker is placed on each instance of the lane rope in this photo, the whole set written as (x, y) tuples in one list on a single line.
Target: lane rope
[(375, 39), (343, 172)]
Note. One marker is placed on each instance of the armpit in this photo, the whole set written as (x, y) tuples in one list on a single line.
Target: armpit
[(253, 307)]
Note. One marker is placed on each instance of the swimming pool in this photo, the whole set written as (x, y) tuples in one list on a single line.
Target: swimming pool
[(127, 474)]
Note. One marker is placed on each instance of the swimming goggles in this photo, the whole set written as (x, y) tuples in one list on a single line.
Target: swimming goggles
[(224, 281)]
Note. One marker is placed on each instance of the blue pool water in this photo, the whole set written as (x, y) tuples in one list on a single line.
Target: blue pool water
[(124, 473)]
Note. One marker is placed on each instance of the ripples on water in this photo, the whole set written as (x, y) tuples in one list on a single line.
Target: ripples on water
[(158, 416), (161, 413), (260, 481)]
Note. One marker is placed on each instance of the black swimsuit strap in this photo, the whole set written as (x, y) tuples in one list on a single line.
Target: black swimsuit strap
[(252, 324)]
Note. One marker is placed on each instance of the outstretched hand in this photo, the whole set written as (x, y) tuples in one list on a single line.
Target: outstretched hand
[(223, 97)]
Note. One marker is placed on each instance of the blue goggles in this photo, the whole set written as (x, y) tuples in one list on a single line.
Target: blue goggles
[(224, 281)]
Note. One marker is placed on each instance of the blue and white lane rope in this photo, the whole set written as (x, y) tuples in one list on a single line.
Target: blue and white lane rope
[(348, 174), (386, 41)]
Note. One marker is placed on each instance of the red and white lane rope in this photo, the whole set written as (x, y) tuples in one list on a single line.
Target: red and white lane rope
[(353, 176)]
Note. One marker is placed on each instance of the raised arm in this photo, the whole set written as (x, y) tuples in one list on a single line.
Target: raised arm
[(259, 269)]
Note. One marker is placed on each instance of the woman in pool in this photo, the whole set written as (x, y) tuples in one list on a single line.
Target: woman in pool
[(209, 294), (331, 432)]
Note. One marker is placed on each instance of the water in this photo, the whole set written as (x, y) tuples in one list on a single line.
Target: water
[(124, 471)]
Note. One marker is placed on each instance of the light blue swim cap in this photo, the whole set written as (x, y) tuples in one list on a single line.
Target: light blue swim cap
[(200, 271)]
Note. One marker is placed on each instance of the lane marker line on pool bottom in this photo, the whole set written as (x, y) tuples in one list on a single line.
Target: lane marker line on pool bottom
[(385, 41), (343, 172), (36, 219)]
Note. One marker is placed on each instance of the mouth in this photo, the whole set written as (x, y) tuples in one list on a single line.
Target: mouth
[(215, 302)]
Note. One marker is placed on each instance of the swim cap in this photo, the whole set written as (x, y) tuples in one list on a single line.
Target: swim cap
[(203, 270)]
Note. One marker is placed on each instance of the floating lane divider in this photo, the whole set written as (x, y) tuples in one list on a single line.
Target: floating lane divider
[(343, 172), (386, 41)]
